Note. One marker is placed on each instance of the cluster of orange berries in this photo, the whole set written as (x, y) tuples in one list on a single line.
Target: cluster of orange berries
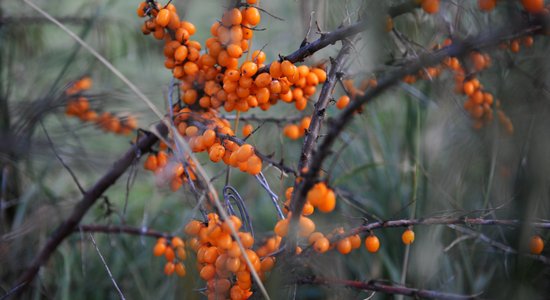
[(221, 262), (174, 252), (213, 138), (296, 131), (79, 106)]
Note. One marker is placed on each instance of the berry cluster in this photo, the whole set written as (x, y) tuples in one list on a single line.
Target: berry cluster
[(221, 263), (174, 252), (79, 106)]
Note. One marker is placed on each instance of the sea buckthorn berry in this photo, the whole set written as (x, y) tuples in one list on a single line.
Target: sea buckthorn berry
[(235, 17), (245, 152), (247, 130), (487, 5), (163, 17), (355, 241), (177, 242), (372, 243), (180, 270), (344, 246), (536, 245), (151, 162), (306, 226), (169, 254), (329, 202), (246, 239), (288, 69), (314, 237), (468, 88), (254, 165), (249, 68), (514, 46), (258, 56), (430, 6), (263, 80), (342, 102), (159, 249), (275, 69), (181, 54), (407, 237), (281, 228), (321, 245), (193, 227), (291, 131), (251, 16), (234, 51), (169, 268), (533, 6), (207, 272)]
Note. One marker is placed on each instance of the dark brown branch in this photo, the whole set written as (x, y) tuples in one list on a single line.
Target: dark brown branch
[(457, 49), (90, 197), (122, 229), (385, 288), (339, 34)]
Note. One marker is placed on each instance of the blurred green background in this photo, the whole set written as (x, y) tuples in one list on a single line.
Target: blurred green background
[(412, 153)]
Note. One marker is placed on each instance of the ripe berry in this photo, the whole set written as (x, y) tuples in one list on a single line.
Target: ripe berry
[(407, 237), (536, 245), (430, 6), (342, 102), (163, 17), (487, 5), (248, 69), (251, 16), (533, 6), (159, 249), (344, 246), (372, 243), (169, 268)]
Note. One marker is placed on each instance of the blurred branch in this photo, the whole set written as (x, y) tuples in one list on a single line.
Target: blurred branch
[(121, 229), (254, 118), (379, 286), (339, 34), (90, 197), (457, 49)]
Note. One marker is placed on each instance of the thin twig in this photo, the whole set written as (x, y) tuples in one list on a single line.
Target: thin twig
[(107, 267)]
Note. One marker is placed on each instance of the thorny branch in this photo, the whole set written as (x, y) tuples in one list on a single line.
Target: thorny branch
[(385, 288), (457, 49), (89, 198)]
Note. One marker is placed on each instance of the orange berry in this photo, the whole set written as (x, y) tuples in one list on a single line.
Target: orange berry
[(533, 6), (372, 243), (233, 264), (263, 80), (536, 245), (407, 237), (159, 249), (180, 270), (251, 16), (245, 152), (291, 131), (177, 242), (169, 254), (234, 51), (329, 202), (430, 6), (275, 69), (307, 226), (235, 17), (169, 268), (314, 237), (321, 245), (254, 165), (344, 246), (258, 56), (281, 228), (248, 69), (190, 68), (246, 239), (342, 102), (193, 227), (487, 5), (468, 88), (163, 17), (355, 241), (514, 46), (267, 264), (247, 129), (288, 69), (207, 272), (151, 162)]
